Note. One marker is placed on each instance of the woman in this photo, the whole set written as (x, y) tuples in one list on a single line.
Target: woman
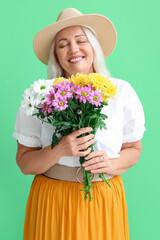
[(56, 208)]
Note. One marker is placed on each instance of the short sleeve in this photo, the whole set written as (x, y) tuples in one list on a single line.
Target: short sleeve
[(133, 116), (27, 129)]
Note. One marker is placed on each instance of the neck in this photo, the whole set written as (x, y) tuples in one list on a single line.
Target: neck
[(68, 75)]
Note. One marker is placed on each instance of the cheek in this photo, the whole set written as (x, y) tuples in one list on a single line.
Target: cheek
[(91, 55), (90, 52), (60, 56)]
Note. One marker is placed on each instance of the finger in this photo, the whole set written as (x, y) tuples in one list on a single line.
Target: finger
[(86, 145), (84, 139), (92, 161), (84, 153), (100, 170), (95, 166), (97, 153), (81, 131)]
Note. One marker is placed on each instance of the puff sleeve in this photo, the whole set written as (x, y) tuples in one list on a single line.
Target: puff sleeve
[(27, 129), (133, 116)]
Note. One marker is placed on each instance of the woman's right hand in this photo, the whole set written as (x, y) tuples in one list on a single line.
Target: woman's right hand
[(70, 145)]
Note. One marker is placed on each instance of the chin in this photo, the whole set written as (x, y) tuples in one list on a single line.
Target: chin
[(81, 71)]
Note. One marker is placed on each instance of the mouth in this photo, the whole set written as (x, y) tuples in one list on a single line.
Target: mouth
[(75, 60)]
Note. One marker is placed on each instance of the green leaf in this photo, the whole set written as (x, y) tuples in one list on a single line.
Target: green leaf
[(54, 140), (72, 104), (57, 123), (60, 118), (104, 103), (102, 125), (94, 116), (64, 128), (49, 120)]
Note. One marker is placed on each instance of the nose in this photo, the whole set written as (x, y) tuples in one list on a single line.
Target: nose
[(73, 47)]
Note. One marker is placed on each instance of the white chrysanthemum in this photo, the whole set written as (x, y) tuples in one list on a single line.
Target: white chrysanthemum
[(28, 93), (41, 86), (39, 99), (28, 103), (35, 95)]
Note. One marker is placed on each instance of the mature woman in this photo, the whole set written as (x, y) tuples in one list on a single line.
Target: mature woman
[(56, 208)]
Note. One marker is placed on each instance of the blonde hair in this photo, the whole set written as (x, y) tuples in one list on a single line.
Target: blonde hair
[(54, 70)]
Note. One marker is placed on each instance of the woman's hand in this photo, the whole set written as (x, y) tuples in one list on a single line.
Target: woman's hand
[(94, 164), (71, 145)]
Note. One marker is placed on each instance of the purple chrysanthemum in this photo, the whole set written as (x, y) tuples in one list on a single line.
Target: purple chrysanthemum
[(82, 93), (63, 89), (73, 87), (45, 108), (60, 104), (50, 97), (95, 98)]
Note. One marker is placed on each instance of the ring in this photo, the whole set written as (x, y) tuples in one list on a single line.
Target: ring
[(102, 159), (82, 180)]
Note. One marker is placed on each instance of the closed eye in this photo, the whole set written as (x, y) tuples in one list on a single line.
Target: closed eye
[(77, 42), (81, 41), (63, 46)]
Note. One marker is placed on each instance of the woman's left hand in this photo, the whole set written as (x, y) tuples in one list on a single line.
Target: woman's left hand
[(95, 165)]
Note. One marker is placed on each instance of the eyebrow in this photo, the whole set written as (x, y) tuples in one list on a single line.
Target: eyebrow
[(75, 36)]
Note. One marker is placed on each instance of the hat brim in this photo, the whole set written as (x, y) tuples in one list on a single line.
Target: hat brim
[(103, 29)]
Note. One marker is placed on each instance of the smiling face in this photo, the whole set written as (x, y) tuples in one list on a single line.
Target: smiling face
[(74, 51)]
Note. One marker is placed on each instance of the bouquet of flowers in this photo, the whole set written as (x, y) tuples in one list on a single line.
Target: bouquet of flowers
[(71, 104)]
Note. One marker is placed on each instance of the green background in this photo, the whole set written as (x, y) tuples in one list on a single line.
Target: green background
[(134, 59)]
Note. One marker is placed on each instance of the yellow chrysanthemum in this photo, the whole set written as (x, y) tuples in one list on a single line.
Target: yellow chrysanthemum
[(79, 79), (98, 82), (104, 97), (110, 90), (60, 79)]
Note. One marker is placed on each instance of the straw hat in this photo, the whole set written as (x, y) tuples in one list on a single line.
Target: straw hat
[(101, 26)]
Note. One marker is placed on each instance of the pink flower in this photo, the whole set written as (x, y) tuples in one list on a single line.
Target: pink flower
[(50, 97), (82, 93), (45, 108), (63, 89), (95, 98), (73, 87), (60, 104)]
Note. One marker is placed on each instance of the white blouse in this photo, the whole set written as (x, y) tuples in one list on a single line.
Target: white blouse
[(125, 123)]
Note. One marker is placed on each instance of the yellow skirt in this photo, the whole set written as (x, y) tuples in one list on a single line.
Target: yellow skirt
[(56, 210)]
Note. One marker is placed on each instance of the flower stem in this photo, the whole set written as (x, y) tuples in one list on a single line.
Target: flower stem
[(42, 119), (72, 113), (101, 175), (87, 182)]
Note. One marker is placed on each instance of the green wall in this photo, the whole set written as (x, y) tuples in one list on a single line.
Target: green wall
[(134, 59)]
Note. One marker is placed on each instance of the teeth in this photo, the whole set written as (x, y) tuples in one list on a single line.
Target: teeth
[(75, 59)]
